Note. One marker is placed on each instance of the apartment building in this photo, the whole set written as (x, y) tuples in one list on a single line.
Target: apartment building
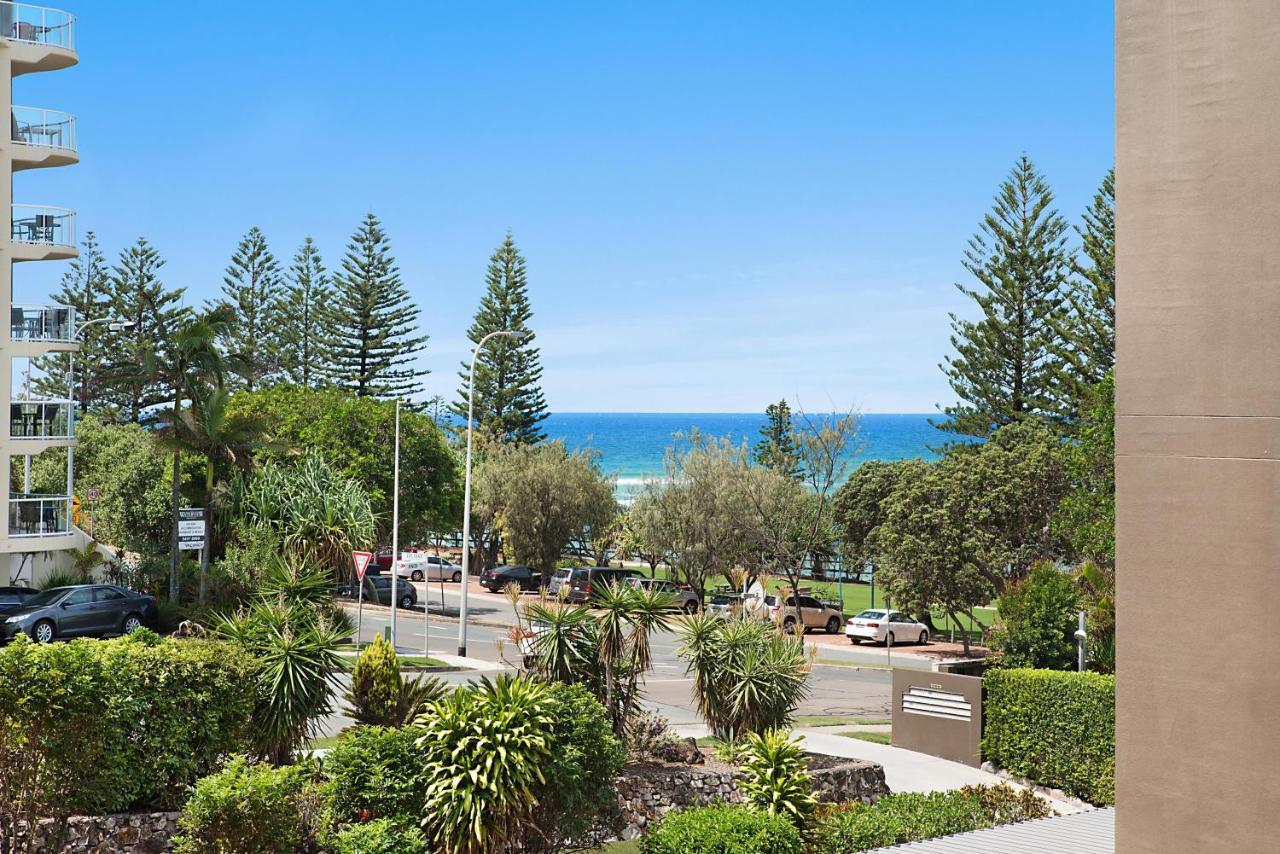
[(35, 40)]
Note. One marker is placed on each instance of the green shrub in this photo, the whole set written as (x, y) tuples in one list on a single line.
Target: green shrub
[(578, 792), (1038, 621), (376, 772), (381, 836), (374, 694), (1053, 728), (723, 829), (775, 776), (912, 816), (485, 750), (101, 726), (247, 807)]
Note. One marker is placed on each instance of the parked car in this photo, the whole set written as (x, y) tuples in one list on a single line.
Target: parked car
[(377, 589), (723, 604), (12, 598), (558, 580), (81, 610), (884, 626), (424, 567), (815, 613), (499, 577), (583, 579), (684, 597)]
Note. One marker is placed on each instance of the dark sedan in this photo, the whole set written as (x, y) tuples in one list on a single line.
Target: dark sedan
[(11, 598), (377, 590), (84, 610), (499, 577)]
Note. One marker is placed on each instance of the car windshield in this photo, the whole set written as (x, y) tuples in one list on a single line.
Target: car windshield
[(47, 597), (870, 615)]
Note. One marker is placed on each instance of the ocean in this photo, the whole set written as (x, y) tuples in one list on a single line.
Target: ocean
[(632, 445)]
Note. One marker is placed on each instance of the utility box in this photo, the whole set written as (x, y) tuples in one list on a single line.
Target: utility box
[(939, 714)]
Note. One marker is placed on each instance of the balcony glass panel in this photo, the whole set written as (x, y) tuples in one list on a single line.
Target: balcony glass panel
[(38, 515), (32, 322), (48, 128), (22, 22), (39, 419), (44, 226)]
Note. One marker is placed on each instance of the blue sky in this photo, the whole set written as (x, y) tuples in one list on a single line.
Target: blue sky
[(721, 203)]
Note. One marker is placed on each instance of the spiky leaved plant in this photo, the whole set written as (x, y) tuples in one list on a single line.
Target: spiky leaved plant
[(775, 776)]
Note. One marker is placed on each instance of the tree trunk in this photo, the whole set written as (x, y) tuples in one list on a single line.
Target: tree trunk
[(963, 634), (175, 555), (208, 531)]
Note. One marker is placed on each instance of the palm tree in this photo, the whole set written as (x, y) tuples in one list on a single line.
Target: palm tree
[(192, 359), (207, 429)]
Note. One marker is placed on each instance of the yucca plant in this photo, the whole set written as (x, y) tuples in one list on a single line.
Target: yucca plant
[(564, 643), (775, 776), (484, 749), (746, 676), (625, 617)]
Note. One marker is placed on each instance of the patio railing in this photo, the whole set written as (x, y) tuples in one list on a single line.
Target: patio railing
[(48, 128), (38, 515), (43, 225), (35, 322), (39, 419), (23, 22)]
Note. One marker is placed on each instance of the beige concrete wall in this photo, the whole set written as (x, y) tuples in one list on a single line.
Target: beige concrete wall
[(1198, 425)]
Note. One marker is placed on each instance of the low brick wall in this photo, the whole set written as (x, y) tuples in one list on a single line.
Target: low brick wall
[(647, 792), (123, 833)]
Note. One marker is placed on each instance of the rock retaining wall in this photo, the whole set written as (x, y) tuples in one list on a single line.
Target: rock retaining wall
[(646, 793), (123, 833)]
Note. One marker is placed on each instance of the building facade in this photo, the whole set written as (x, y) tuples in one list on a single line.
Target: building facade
[(1197, 425), (35, 40)]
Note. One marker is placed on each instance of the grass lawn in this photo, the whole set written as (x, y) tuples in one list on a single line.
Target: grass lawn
[(629, 847), (322, 743), (876, 737), (419, 661)]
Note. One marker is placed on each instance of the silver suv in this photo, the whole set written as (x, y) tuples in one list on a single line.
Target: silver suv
[(685, 598)]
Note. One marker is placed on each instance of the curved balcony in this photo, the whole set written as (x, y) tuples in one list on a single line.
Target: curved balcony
[(42, 233), (42, 323), (44, 422), (33, 515), (42, 137), (39, 38)]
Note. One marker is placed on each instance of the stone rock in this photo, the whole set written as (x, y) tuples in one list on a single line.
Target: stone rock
[(684, 750)]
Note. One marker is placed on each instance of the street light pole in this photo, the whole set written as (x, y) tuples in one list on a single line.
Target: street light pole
[(516, 336), (395, 530)]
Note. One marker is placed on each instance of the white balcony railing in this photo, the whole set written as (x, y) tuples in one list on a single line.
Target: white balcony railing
[(40, 419), (35, 322), (23, 22), (48, 128), (44, 226), (38, 515)]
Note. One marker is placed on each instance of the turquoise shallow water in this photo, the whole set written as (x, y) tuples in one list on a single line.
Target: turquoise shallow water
[(632, 444)]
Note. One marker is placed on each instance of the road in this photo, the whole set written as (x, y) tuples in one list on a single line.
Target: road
[(853, 687)]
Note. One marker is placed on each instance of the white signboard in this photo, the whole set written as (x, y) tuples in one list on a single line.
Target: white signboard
[(191, 528)]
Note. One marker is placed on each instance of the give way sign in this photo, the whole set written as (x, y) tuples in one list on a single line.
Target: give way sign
[(362, 562)]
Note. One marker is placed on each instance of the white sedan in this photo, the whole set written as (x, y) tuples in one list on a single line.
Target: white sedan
[(421, 567), (888, 627)]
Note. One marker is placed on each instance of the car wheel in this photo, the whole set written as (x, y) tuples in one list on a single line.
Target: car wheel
[(833, 626), (691, 607), (406, 601), (131, 624), (457, 578), (416, 575), (924, 638), (888, 639), (43, 632), (789, 625)]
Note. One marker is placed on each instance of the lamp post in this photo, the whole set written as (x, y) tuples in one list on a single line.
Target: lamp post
[(516, 336), (112, 326), (395, 530)]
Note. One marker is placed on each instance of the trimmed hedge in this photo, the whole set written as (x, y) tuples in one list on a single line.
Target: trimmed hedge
[(97, 727), (380, 836), (723, 829), (247, 807), (913, 816), (375, 772), (1054, 728)]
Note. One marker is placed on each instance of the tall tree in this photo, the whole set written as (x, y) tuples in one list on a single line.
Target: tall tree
[(85, 287), (251, 288), (374, 327), (1004, 369), (776, 449), (509, 404), (300, 318), (1088, 329), (128, 379)]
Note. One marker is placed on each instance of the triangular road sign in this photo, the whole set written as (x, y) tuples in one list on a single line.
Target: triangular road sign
[(362, 562)]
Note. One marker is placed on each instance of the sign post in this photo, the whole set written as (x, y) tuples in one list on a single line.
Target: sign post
[(361, 560), (92, 494)]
